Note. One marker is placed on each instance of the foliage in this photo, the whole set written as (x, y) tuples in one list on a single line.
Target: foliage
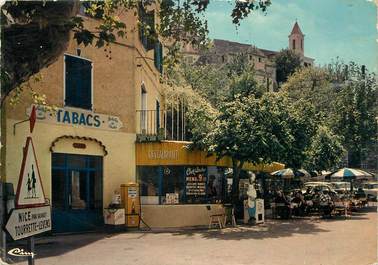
[(199, 113), (344, 96), (314, 85), (210, 81), (249, 129), (302, 122), (243, 82), (287, 61), (325, 151), (355, 112), (218, 83)]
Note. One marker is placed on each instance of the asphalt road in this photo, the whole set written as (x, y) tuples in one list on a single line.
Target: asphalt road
[(299, 241)]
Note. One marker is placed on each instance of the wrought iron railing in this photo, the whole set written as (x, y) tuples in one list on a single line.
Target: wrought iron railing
[(155, 125)]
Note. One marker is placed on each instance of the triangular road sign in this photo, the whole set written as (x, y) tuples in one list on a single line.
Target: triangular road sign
[(29, 190)]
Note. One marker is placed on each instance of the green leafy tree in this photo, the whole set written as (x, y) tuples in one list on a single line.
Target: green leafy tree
[(248, 129), (355, 112), (287, 61), (218, 83), (210, 81), (312, 84), (344, 97), (325, 151), (302, 122)]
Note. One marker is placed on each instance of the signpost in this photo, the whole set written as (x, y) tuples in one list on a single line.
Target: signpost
[(29, 189), (28, 222), (32, 215)]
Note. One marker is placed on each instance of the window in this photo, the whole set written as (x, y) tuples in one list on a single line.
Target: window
[(78, 82), (302, 44), (181, 185), (293, 44), (149, 179), (259, 59), (173, 183)]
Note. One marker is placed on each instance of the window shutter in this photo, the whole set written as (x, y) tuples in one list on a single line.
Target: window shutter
[(158, 56), (150, 21), (78, 79)]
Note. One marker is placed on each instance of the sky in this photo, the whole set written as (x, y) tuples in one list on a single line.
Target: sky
[(343, 28)]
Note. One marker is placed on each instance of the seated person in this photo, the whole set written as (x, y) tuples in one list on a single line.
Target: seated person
[(280, 198), (284, 210), (308, 194), (359, 193), (298, 199), (325, 203)]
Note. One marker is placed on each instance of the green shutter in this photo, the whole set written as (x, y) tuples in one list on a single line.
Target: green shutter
[(78, 82)]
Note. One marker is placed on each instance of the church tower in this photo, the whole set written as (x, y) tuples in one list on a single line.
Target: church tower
[(296, 40)]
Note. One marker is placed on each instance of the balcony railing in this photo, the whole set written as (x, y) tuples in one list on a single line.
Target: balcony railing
[(154, 125)]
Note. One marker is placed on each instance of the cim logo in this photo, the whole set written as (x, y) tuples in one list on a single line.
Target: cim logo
[(19, 252)]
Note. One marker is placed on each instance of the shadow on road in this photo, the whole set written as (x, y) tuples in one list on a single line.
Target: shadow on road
[(271, 229), (57, 245), (277, 228)]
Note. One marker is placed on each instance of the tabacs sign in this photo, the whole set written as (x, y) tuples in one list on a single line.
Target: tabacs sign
[(78, 117), (29, 189)]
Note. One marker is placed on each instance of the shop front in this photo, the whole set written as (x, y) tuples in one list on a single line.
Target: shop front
[(182, 187), (80, 169)]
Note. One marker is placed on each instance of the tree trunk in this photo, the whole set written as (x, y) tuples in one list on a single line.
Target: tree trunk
[(236, 168)]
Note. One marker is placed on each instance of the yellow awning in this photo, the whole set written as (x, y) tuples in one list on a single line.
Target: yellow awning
[(176, 153)]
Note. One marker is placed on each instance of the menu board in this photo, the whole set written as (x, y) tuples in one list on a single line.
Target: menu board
[(195, 181)]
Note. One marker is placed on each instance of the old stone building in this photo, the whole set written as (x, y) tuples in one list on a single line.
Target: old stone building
[(264, 60)]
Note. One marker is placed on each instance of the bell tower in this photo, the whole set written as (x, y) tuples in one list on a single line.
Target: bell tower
[(296, 40)]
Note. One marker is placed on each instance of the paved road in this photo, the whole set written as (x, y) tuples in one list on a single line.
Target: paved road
[(301, 241)]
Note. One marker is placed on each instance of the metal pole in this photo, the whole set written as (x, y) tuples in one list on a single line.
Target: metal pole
[(31, 250), (178, 120), (184, 138), (182, 119), (172, 127)]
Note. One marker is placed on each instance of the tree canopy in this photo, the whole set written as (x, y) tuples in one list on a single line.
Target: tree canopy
[(344, 97), (287, 61)]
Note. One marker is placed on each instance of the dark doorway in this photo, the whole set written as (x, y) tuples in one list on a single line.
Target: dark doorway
[(77, 191)]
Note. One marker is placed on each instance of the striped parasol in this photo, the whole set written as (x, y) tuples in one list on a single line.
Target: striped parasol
[(286, 173), (350, 173)]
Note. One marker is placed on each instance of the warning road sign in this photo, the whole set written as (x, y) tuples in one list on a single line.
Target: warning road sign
[(28, 222), (29, 190)]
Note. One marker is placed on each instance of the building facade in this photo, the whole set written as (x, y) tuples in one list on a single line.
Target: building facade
[(86, 148), (263, 60)]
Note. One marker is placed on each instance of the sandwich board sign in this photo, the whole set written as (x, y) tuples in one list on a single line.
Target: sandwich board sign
[(29, 190), (26, 222)]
